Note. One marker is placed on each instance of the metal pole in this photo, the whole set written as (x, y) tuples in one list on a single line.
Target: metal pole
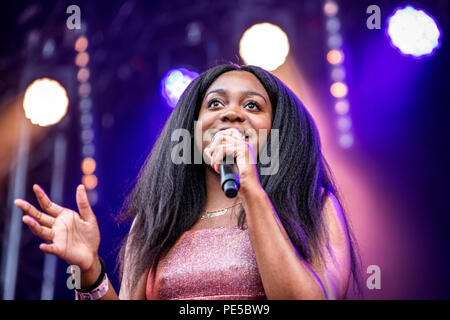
[(18, 177), (56, 194)]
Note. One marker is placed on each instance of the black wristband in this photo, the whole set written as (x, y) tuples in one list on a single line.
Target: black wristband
[(99, 280)]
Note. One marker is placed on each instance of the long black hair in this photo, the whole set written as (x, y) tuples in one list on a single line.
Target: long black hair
[(169, 198)]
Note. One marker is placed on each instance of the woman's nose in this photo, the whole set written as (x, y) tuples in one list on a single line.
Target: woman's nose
[(232, 114)]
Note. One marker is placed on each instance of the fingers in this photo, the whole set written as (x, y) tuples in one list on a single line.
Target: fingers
[(45, 203), (39, 230), (226, 142), (231, 137), (223, 135), (50, 249), (40, 217), (84, 207)]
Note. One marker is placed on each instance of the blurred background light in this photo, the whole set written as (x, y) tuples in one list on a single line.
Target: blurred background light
[(81, 44), (45, 102), (330, 8), (83, 75), (85, 104), (344, 123), (88, 149), (338, 89), (174, 83), (88, 165), (335, 56), (84, 89), (87, 135), (333, 25), (413, 31), (341, 107), (337, 73), (346, 140), (90, 181), (86, 120), (264, 45), (92, 196), (334, 41), (82, 59)]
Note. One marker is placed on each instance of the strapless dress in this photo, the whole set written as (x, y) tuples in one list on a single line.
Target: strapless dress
[(209, 264)]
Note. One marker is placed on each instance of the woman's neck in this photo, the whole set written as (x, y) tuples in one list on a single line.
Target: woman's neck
[(215, 197)]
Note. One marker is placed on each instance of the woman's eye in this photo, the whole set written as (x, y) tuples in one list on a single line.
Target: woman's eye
[(253, 106), (214, 104)]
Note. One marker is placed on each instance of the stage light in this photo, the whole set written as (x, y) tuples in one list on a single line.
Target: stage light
[(413, 32), (84, 89), (45, 102), (83, 75), (334, 41), (341, 107), (335, 56), (86, 120), (344, 123), (333, 25), (90, 181), (81, 44), (85, 104), (87, 135), (346, 140), (88, 149), (174, 83), (337, 73), (88, 166), (339, 89), (330, 8), (82, 59), (93, 197), (264, 45)]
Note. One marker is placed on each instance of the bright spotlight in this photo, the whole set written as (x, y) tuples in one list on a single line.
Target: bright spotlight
[(45, 102), (264, 45), (413, 31), (174, 83)]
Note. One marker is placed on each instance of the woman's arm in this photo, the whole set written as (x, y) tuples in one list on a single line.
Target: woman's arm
[(285, 275), (335, 268), (90, 277)]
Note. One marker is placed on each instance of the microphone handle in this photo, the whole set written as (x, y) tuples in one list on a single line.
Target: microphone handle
[(229, 179)]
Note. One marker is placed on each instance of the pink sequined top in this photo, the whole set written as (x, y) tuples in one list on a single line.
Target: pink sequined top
[(209, 264)]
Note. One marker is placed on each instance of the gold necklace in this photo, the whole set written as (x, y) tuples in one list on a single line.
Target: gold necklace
[(216, 213)]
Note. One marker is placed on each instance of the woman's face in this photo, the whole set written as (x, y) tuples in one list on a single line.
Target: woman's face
[(236, 99)]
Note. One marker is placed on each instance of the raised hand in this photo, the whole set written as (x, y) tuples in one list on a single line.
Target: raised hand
[(73, 237)]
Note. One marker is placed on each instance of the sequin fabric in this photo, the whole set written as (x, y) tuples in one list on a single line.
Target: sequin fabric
[(209, 264)]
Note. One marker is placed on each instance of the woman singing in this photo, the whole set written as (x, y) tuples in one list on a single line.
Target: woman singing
[(284, 236)]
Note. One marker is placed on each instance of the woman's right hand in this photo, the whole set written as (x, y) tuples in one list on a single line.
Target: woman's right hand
[(73, 237)]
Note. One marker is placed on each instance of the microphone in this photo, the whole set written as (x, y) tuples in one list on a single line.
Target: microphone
[(229, 178)]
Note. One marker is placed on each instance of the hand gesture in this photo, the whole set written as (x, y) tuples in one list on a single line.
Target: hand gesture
[(73, 237)]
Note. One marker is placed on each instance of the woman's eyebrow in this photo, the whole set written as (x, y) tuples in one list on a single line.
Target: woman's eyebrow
[(247, 93)]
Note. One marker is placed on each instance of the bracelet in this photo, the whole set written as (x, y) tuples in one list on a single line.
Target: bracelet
[(98, 281), (95, 294)]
